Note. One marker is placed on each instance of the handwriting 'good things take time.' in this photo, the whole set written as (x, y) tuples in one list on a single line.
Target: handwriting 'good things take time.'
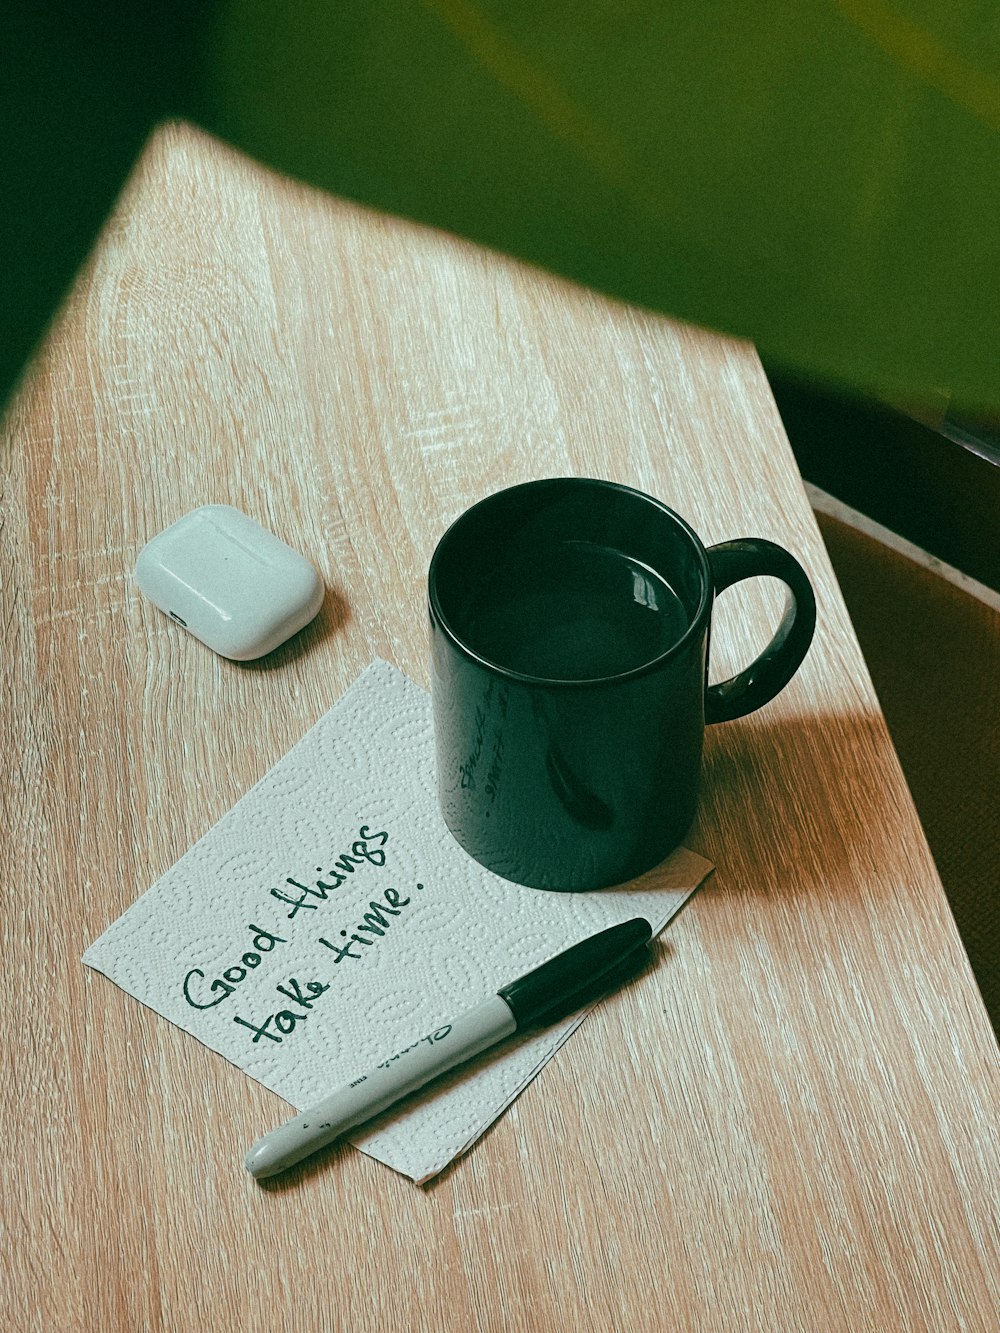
[(202, 992)]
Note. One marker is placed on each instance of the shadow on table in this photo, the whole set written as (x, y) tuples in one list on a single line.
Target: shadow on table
[(801, 799)]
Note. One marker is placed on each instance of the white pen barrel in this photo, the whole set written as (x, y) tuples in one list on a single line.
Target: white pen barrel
[(364, 1097)]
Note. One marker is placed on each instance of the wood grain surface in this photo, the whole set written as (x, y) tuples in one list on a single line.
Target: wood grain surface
[(789, 1123)]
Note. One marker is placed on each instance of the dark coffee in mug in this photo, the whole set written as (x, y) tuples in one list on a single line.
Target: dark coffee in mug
[(570, 627), (572, 610)]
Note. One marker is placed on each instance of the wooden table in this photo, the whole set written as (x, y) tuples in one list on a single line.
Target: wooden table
[(789, 1124)]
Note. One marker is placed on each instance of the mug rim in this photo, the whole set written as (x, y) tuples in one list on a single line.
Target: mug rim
[(695, 627)]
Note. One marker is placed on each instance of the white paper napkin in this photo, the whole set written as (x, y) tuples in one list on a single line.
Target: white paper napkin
[(330, 918)]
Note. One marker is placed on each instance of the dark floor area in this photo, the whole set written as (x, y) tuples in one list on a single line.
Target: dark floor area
[(933, 649)]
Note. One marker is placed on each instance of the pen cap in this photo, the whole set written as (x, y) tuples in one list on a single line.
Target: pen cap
[(572, 978)]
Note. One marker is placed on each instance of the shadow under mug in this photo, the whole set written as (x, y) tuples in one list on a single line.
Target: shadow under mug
[(570, 623)]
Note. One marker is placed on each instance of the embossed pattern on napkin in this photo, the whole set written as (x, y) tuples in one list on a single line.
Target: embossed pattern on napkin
[(330, 918)]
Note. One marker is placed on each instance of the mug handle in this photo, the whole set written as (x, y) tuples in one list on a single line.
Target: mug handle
[(750, 557)]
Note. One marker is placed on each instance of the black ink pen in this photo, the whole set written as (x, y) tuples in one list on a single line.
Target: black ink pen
[(549, 992)]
